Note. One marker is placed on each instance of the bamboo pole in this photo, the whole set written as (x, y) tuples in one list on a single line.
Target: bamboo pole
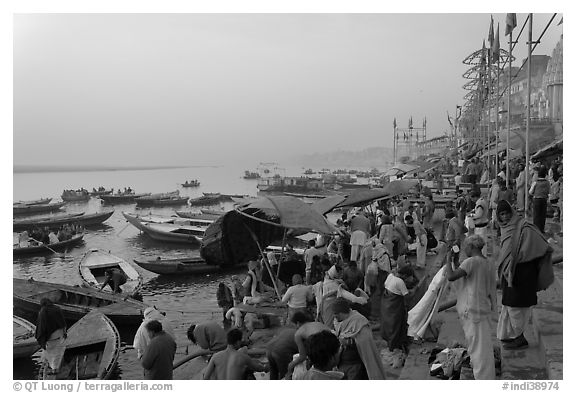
[(509, 110), (282, 252), (497, 130), (526, 186), (490, 96), (272, 277)]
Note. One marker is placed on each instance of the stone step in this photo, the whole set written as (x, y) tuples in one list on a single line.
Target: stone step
[(524, 363), (547, 321)]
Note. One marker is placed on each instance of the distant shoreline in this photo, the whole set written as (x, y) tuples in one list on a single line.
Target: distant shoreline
[(63, 168)]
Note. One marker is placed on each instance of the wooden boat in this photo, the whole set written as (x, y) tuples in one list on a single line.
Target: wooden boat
[(35, 248), (149, 200), (212, 212), (169, 201), (100, 193), (80, 219), (75, 301), (75, 196), (122, 198), (156, 218), (91, 350), (23, 338), (198, 219), (35, 209), (41, 201), (193, 183), (94, 264), (173, 233), (177, 266), (205, 200)]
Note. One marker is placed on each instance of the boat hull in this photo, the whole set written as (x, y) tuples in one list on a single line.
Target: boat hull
[(36, 209), (75, 302), (63, 245), (83, 220), (121, 198), (179, 266), (95, 262), (24, 341), (90, 351), (165, 232)]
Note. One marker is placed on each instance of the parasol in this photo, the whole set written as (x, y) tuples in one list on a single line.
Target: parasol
[(399, 187), (363, 197)]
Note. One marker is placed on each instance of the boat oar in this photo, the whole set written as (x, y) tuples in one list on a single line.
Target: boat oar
[(253, 352), (122, 230), (193, 355)]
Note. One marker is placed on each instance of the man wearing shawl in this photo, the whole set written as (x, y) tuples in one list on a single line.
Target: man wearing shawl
[(523, 249), (359, 357), (142, 337), (50, 333)]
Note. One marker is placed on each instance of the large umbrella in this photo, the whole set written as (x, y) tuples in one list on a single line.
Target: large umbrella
[(399, 187), (325, 205), (363, 197), (399, 169)]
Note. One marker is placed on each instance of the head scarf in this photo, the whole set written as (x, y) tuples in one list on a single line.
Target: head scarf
[(531, 244)]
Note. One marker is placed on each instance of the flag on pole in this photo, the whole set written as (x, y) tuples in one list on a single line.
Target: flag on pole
[(496, 49), (394, 122), (510, 23), (410, 122), (491, 33)]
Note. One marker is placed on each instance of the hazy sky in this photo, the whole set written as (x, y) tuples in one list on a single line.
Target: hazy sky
[(197, 89)]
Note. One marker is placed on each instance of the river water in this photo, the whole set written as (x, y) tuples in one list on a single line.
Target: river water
[(185, 300)]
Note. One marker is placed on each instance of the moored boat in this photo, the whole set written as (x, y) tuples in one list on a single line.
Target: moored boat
[(41, 201), (173, 201), (128, 197), (149, 200), (82, 219), (23, 338), (36, 248), (186, 234), (90, 351), (205, 200), (198, 219), (179, 266), (75, 301), (38, 208), (95, 262)]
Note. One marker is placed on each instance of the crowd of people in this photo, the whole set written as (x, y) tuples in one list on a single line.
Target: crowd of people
[(366, 272)]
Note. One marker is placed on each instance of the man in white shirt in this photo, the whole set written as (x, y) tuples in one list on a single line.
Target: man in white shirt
[(297, 296)]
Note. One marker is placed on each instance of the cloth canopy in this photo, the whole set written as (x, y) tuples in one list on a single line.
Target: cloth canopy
[(551, 149), (229, 240), (363, 197)]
